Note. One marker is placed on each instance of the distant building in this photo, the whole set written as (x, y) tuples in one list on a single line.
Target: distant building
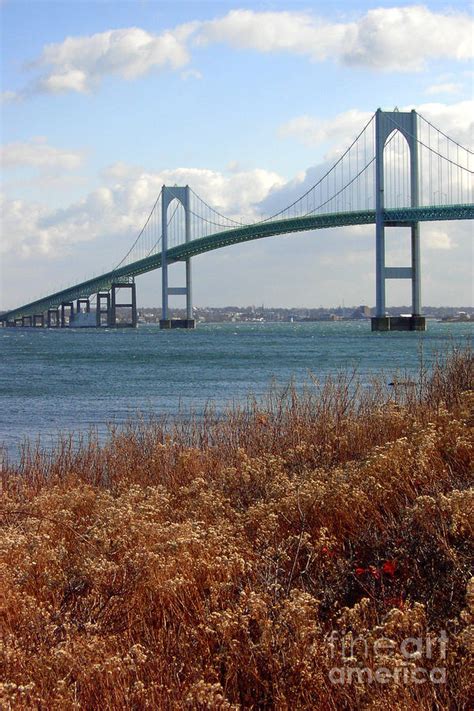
[(460, 316), (362, 312)]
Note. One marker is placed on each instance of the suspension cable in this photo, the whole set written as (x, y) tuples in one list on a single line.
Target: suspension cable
[(444, 134), (324, 176), (140, 233), (461, 167), (236, 222), (161, 236), (341, 189), (301, 197)]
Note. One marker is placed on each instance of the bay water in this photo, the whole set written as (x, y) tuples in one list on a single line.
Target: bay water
[(70, 380)]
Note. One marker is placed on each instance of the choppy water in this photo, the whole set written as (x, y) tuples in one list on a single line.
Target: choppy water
[(70, 380)]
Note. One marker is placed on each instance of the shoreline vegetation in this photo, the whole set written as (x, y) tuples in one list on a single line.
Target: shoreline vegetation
[(231, 562)]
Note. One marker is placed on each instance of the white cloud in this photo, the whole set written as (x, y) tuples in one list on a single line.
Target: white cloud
[(79, 63), (457, 120), (191, 74), (299, 33), (31, 229), (9, 97), (401, 39), (336, 134), (37, 153), (120, 207), (20, 230), (68, 80), (437, 239), (233, 194), (313, 131), (443, 88), (397, 39), (405, 38)]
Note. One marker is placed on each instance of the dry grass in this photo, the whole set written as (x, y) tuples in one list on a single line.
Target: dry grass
[(204, 565)]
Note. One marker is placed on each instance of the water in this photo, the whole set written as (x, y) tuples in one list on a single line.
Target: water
[(70, 380)]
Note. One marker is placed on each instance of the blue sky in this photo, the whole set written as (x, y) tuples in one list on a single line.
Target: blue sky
[(103, 100)]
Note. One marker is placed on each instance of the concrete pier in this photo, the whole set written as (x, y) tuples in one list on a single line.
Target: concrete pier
[(398, 323), (171, 323), (53, 318), (86, 303), (66, 321), (132, 304), (101, 311)]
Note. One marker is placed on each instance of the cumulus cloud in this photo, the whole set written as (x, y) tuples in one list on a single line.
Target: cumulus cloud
[(397, 39), (294, 32), (120, 207), (66, 80), (455, 119), (443, 88), (405, 38), (437, 239), (336, 133), (401, 39), (79, 63), (313, 131), (18, 221), (235, 194), (31, 229), (37, 153)]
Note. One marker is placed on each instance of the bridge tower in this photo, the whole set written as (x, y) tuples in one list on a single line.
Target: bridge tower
[(385, 123), (183, 196)]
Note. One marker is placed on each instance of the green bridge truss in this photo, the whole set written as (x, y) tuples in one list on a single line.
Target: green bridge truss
[(246, 233)]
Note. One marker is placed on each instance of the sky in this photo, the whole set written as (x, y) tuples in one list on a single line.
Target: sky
[(104, 101)]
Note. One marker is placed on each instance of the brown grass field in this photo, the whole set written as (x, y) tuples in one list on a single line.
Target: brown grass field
[(231, 562)]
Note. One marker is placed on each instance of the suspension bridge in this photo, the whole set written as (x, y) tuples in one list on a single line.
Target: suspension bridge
[(399, 171)]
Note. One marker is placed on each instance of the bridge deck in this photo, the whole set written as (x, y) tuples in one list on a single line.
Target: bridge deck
[(399, 216)]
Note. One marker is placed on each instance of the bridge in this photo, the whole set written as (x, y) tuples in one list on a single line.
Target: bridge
[(399, 171)]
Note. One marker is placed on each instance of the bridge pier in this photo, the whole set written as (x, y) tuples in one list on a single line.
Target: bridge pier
[(27, 321), (66, 322), (87, 304), (99, 312), (38, 320), (53, 318), (167, 197), (131, 305), (385, 123), (398, 323), (172, 323)]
